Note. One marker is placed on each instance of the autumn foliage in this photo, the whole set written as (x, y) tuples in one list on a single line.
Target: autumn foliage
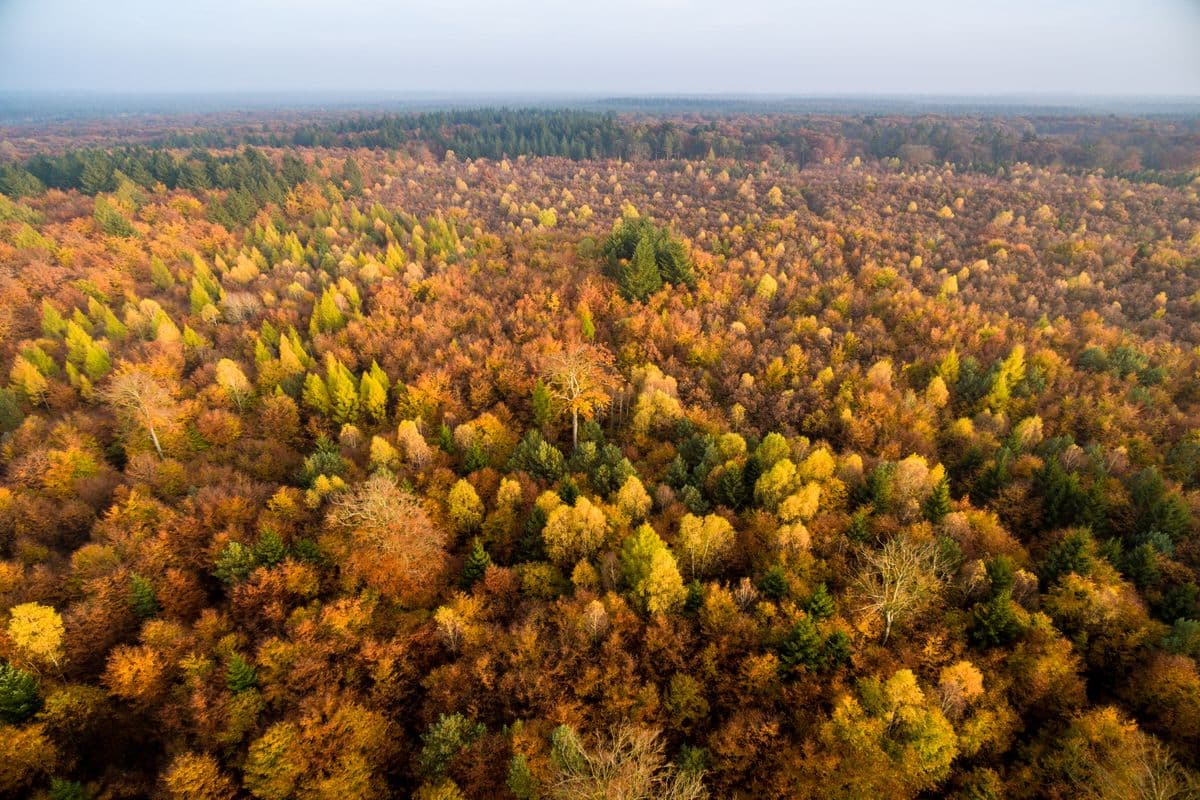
[(549, 454)]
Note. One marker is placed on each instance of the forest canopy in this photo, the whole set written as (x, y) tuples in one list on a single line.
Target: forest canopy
[(558, 453)]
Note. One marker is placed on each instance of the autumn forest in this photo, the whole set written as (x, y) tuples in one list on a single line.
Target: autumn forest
[(653, 453)]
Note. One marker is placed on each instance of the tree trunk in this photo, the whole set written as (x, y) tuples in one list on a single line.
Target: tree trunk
[(154, 438), (574, 430)]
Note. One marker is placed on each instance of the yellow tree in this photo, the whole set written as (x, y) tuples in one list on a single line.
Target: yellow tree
[(580, 377), (37, 631)]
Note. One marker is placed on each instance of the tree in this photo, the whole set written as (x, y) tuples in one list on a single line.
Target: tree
[(240, 674), (465, 507), (662, 258), (142, 597), (542, 404), (821, 604), (640, 277), (476, 564), (372, 396), (37, 632), (628, 763), (579, 377), (650, 571), (574, 531), (275, 763), (443, 741), (29, 380), (704, 542), (110, 220), (193, 776), (998, 620), (632, 499), (28, 754), (352, 176), (235, 383), (386, 539), (896, 580), (937, 505), (18, 694), (888, 740), (141, 400)]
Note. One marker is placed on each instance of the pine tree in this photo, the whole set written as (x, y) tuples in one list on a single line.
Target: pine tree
[(640, 277), (476, 564), (18, 694), (142, 597), (269, 550), (520, 779), (240, 675), (821, 605), (586, 325), (29, 380), (160, 276), (937, 505), (774, 583), (316, 394), (198, 296), (801, 647), (372, 398), (343, 392), (352, 176), (995, 622), (543, 405), (53, 323), (327, 316)]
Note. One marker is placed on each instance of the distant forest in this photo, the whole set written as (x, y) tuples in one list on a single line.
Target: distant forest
[(1134, 148)]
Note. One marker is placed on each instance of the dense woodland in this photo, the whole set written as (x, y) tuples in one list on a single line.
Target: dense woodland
[(568, 455)]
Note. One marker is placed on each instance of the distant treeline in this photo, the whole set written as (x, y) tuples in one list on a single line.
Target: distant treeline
[(1133, 146), (1139, 148)]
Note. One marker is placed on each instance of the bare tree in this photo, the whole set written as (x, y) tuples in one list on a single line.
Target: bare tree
[(628, 764), (1145, 771), (142, 400), (899, 578)]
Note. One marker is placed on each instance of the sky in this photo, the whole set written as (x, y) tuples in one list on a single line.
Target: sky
[(1142, 48)]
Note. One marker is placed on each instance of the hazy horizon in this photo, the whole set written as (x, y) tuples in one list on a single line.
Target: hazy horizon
[(860, 48)]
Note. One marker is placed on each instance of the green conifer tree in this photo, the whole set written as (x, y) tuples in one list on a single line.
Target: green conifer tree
[(476, 564), (640, 277)]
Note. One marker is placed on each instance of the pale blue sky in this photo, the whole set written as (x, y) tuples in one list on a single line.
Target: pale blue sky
[(1109, 47)]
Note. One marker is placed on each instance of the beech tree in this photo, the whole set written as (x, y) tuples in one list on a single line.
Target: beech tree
[(386, 539), (579, 377)]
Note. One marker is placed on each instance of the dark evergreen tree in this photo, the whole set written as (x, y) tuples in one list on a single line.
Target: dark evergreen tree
[(937, 505), (476, 564), (773, 583), (352, 176), (142, 597), (802, 647), (640, 277), (821, 605), (240, 675), (18, 694)]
